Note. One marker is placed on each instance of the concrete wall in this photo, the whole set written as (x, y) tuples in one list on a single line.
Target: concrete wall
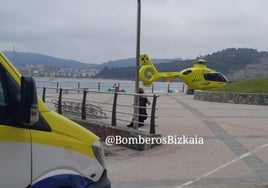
[(103, 130), (236, 98)]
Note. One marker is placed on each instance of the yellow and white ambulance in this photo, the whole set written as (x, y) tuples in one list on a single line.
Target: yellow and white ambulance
[(40, 148)]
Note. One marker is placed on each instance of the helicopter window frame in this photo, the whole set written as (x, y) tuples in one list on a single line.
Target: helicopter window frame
[(187, 72), (217, 77)]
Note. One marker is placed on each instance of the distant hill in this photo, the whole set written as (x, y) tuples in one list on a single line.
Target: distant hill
[(25, 58), (130, 62), (119, 63)]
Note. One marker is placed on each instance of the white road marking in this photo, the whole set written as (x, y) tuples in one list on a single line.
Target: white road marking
[(222, 166)]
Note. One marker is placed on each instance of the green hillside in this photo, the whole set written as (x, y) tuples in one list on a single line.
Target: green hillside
[(228, 62), (257, 85)]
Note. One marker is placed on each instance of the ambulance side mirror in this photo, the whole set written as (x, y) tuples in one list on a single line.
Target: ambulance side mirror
[(29, 103)]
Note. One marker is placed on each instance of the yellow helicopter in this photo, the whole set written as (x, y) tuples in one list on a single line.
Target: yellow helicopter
[(198, 77)]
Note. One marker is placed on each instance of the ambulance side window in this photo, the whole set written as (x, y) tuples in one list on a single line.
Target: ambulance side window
[(10, 104), (9, 97), (2, 95), (3, 110)]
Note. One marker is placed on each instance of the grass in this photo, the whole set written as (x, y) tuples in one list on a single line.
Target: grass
[(257, 85)]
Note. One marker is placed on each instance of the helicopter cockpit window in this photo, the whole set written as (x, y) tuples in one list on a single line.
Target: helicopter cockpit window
[(187, 72), (215, 77)]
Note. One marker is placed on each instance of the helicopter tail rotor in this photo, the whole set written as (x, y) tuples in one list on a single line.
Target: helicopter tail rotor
[(147, 73)]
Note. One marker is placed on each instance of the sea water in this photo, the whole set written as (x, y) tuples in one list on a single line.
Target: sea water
[(105, 84)]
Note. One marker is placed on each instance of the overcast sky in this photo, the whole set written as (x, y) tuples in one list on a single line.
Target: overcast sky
[(96, 31)]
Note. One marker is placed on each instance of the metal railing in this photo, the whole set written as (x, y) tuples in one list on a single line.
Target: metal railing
[(115, 108)]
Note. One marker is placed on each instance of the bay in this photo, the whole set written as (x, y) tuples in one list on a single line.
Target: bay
[(104, 84)]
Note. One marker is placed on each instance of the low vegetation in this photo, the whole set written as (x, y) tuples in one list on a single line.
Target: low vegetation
[(257, 85)]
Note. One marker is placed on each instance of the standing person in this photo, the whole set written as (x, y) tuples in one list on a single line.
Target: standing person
[(143, 101)]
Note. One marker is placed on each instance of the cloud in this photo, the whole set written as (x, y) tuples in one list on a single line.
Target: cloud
[(100, 30)]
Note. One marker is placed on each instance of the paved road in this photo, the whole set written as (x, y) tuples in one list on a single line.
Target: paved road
[(234, 153)]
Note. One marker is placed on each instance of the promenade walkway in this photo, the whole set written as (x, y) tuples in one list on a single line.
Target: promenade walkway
[(234, 153)]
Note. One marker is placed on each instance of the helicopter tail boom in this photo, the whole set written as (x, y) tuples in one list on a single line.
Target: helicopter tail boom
[(148, 72)]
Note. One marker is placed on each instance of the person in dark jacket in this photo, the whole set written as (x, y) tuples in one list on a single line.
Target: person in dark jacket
[(143, 101)]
